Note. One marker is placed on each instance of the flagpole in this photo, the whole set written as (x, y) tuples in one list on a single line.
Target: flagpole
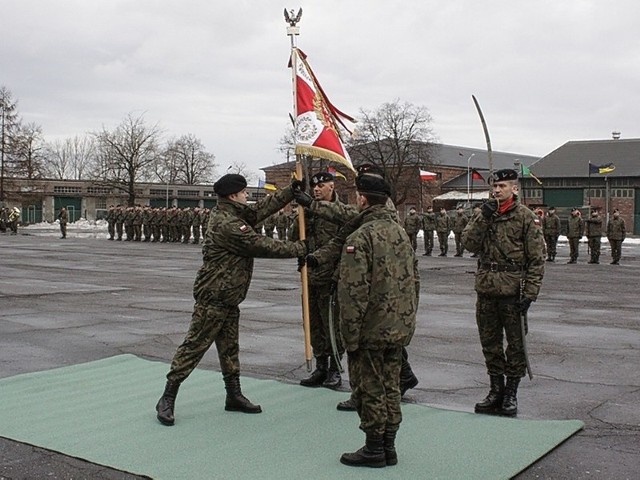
[(293, 31), (589, 186)]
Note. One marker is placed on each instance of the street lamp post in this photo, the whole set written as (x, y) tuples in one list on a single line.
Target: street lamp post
[(2, 159), (469, 180)]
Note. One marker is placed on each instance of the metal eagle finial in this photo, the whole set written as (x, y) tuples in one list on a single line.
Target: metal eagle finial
[(291, 18)]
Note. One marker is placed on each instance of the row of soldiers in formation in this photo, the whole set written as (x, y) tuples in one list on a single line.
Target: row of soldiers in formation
[(9, 218), (143, 223), (443, 224)]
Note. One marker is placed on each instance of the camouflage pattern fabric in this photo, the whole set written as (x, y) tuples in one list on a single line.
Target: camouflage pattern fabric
[(575, 231), (412, 225), (428, 226), (222, 282), (457, 226), (551, 231), (593, 231), (616, 233), (443, 227), (374, 376), (511, 250)]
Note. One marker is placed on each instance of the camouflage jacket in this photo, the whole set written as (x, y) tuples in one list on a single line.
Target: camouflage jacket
[(459, 222), (593, 227), (111, 215), (412, 223), (576, 227), (616, 229), (429, 221), (512, 240), (551, 225), (379, 283), (231, 244), (443, 224)]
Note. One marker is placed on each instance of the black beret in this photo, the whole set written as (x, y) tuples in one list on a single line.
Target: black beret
[(229, 184), (504, 175), (372, 183), (369, 168), (321, 177)]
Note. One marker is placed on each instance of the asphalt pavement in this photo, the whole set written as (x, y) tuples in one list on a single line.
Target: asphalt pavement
[(64, 302)]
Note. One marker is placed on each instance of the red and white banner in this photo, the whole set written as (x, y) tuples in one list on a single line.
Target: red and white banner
[(426, 176), (316, 124)]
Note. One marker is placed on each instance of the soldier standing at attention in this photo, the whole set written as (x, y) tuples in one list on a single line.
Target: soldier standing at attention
[(269, 225), (63, 217), (282, 224), (378, 297), (508, 238), (616, 233), (111, 222), (551, 230), (120, 214), (443, 227), (457, 225), (221, 285), (428, 225), (319, 232), (412, 225), (593, 231), (574, 234)]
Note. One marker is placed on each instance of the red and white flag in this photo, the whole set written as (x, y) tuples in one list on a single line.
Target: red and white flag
[(316, 124), (426, 176)]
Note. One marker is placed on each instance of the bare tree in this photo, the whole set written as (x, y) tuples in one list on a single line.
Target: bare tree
[(71, 158), (398, 137), (243, 169), (125, 154), (28, 152), (9, 125), (187, 159)]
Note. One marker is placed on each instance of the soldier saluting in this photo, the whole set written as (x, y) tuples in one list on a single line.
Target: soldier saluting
[(508, 239)]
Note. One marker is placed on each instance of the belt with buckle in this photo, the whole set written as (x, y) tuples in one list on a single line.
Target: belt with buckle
[(500, 267)]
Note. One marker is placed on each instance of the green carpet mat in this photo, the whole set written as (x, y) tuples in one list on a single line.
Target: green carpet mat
[(103, 411)]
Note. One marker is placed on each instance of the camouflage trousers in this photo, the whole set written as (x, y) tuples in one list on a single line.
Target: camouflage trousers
[(111, 228), (209, 324), (428, 241), (413, 237), (574, 247), (319, 322), (374, 376), (616, 249), (443, 241), (458, 238), (551, 241), (497, 318), (119, 226), (594, 248)]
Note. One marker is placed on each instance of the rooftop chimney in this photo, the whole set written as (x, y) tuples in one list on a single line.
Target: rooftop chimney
[(616, 135)]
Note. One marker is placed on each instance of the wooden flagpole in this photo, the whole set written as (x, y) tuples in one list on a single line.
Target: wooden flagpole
[(292, 31)]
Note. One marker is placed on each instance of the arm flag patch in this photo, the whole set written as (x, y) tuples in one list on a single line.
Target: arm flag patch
[(244, 228), (351, 249)]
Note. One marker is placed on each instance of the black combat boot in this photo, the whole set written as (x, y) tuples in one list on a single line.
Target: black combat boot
[(407, 378), (493, 401), (371, 455), (166, 404), (319, 375), (347, 406), (390, 454), (236, 401), (334, 379), (510, 401)]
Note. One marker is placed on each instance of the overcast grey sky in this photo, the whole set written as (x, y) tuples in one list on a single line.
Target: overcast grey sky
[(545, 72)]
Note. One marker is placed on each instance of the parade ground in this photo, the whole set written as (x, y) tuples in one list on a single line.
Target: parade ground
[(64, 303)]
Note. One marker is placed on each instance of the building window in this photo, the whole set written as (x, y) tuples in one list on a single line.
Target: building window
[(99, 190), (66, 189), (101, 203), (157, 192), (188, 193)]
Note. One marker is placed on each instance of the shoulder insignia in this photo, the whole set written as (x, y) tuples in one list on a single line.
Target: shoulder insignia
[(351, 249), (536, 221), (243, 228)]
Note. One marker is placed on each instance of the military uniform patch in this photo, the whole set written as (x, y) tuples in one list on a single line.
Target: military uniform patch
[(351, 249), (244, 228)]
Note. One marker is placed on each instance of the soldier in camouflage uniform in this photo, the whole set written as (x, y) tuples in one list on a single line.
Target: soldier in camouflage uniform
[(147, 212), (508, 239), (195, 225), (164, 224), (63, 217), (616, 233), (412, 225), (154, 223), (428, 226), (551, 230), (575, 231), (457, 226), (128, 223), (378, 297), (205, 221), (269, 225), (282, 224), (443, 227), (111, 222), (120, 215), (319, 231), (221, 285), (593, 231)]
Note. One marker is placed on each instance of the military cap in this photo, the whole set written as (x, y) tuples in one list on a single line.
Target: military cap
[(552, 208), (504, 175), (372, 183), (321, 177), (229, 184), (369, 168)]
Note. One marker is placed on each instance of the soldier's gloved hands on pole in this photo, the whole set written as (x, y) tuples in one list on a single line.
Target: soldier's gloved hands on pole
[(298, 185), (302, 198), (312, 262), (488, 208), (524, 304), (301, 263)]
